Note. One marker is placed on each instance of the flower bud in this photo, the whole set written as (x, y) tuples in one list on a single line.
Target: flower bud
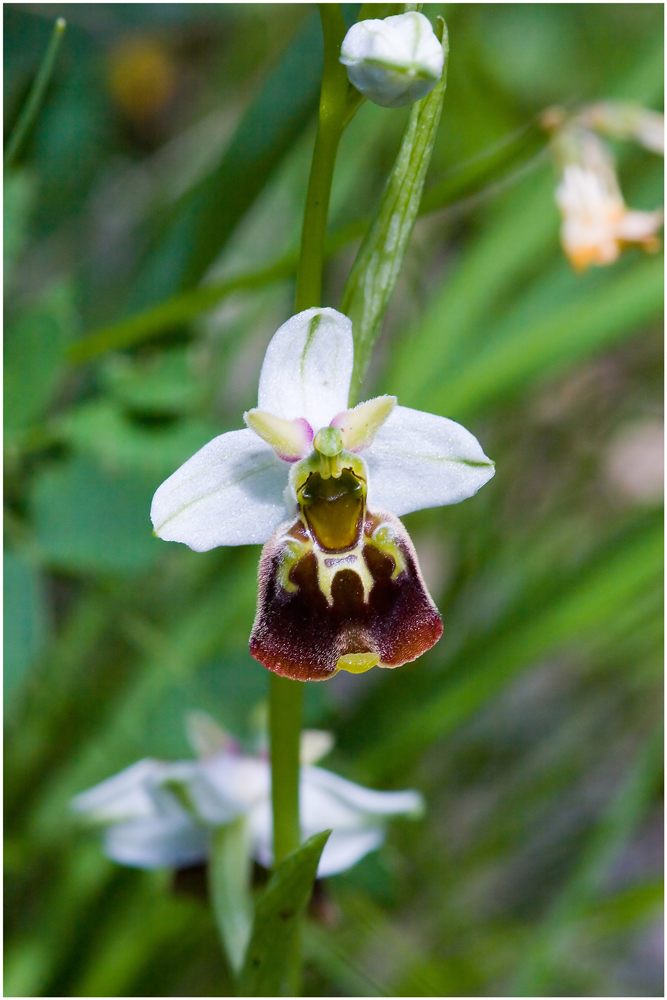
[(394, 61)]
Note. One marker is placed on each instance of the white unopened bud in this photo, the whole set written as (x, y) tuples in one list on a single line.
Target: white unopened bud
[(394, 61)]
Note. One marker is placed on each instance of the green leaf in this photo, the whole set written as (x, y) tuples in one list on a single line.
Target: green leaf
[(229, 880), (88, 519), (604, 309), (35, 357), (26, 620), (19, 197), (275, 931), (374, 274)]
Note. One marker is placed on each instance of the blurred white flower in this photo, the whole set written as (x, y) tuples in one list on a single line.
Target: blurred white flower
[(596, 223), (320, 484), (394, 61), (157, 814)]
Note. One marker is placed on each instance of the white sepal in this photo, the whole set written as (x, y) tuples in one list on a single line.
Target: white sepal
[(229, 493), (171, 841), (420, 460), (127, 795), (307, 368)]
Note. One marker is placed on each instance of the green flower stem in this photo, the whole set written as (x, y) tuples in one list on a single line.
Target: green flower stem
[(36, 95), (286, 695), (333, 108), (285, 730)]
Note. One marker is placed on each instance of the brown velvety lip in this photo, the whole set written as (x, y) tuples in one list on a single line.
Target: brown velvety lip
[(298, 634)]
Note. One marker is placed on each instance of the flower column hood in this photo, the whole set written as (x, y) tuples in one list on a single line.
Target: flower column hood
[(322, 485)]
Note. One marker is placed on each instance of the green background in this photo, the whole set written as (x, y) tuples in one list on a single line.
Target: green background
[(532, 728)]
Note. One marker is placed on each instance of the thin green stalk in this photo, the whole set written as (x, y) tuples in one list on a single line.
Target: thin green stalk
[(286, 698), (286, 695), (36, 96), (333, 108)]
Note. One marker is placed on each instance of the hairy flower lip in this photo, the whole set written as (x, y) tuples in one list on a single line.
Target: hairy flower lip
[(302, 634)]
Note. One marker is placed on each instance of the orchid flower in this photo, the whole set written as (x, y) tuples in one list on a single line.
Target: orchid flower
[(157, 814), (322, 486)]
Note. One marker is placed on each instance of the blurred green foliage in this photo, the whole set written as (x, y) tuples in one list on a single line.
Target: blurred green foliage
[(531, 727)]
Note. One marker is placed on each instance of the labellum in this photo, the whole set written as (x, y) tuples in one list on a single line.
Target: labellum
[(339, 586)]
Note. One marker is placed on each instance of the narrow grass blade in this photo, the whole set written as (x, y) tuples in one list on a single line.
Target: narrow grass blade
[(35, 98)]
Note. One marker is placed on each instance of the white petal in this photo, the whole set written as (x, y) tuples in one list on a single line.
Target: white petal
[(307, 368), (159, 842), (637, 226), (342, 799), (127, 795), (420, 460), (260, 822), (343, 850), (227, 785), (229, 493)]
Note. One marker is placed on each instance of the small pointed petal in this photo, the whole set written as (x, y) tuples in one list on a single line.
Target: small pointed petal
[(360, 425), (367, 801), (640, 227), (290, 439), (307, 368), (315, 744), (420, 460), (229, 493), (345, 848), (300, 632)]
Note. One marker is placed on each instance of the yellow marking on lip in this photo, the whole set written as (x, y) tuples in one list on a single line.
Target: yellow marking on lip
[(357, 663)]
